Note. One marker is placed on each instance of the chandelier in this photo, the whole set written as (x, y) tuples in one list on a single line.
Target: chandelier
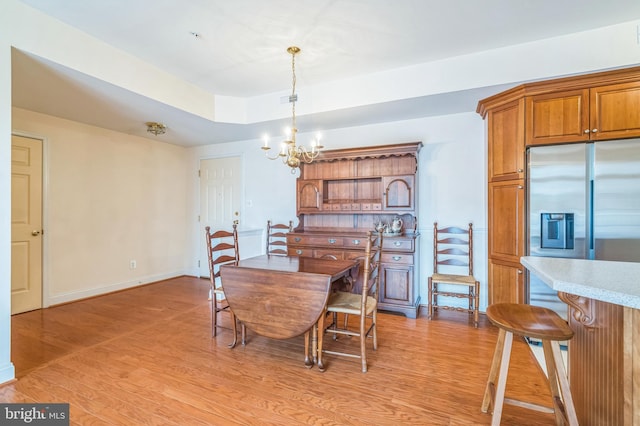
[(291, 154)]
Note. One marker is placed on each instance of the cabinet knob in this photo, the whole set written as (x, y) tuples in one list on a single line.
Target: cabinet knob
[(397, 258), (594, 130), (520, 170), (520, 187), (397, 243), (519, 271), (297, 239), (298, 251), (587, 130), (356, 242), (332, 240)]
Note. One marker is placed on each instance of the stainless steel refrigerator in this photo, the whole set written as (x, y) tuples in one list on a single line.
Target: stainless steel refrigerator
[(584, 202)]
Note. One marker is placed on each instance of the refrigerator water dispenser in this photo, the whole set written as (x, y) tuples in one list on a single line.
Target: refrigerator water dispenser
[(556, 230)]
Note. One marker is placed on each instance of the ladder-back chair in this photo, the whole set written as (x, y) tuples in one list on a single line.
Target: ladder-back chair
[(363, 305), (277, 237), (222, 249), (453, 249)]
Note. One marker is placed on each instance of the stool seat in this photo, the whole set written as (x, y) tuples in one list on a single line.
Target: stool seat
[(530, 321), (537, 322)]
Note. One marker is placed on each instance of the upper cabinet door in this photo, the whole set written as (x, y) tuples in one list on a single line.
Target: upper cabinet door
[(309, 197), (506, 141), (614, 111), (399, 192), (557, 117)]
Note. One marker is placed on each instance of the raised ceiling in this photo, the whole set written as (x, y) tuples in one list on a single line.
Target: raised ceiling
[(237, 48)]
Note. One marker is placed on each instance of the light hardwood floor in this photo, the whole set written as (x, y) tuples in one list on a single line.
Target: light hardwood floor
[(146, 356)]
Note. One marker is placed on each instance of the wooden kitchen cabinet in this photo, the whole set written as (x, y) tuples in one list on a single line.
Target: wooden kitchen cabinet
[(614, 111), (507, 282), (580, 115), (557, 117), (593, 107), (507, 221), (506, 143), (343, 194)]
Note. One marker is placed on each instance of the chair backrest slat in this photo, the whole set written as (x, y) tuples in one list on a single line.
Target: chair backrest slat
[(277, 237), (222, 249), (450, 247)]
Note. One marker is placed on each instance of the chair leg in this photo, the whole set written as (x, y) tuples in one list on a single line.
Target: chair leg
[(363, 341), (214, 314), (493, 372), (429, 299), (476, 303), (498, 403), (559, 384), (375, 329)]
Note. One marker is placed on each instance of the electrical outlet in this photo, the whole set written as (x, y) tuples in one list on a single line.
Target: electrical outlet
[(133, 264)]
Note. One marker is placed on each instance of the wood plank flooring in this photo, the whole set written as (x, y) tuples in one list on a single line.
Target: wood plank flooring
[(146, 356)]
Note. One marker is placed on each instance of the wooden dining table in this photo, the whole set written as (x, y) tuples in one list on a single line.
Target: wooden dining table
[(281, 297)]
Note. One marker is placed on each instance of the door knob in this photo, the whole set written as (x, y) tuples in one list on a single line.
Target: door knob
[(35, 233)]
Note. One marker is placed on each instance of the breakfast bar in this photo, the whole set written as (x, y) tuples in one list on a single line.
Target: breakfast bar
[(604, 355)]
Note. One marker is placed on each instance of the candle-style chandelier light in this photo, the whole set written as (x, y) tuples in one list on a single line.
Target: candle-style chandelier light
[(291, 154)]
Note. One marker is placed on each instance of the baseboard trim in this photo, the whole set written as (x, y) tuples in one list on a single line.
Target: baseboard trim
[(99, 291), (7, 374)]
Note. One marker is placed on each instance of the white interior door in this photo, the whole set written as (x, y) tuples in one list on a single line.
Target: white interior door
[(26, 224), (220, 198)]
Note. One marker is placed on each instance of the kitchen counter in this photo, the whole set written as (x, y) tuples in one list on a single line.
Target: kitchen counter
[(604, 353), (606, 281)]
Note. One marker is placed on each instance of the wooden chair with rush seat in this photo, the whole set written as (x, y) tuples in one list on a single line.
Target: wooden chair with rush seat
[(362, 303), (453, 249), (222, 249)]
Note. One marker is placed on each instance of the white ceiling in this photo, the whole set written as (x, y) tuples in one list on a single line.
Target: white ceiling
[(240, 48)]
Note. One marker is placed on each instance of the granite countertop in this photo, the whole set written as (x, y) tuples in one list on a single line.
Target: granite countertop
[(607, 281)]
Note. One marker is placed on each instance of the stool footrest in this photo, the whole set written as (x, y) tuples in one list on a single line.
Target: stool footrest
[(529, 405)]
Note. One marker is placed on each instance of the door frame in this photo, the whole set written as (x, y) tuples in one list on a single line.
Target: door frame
[(45, 211)]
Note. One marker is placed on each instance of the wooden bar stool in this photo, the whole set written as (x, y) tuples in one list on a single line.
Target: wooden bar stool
[(536, 322)]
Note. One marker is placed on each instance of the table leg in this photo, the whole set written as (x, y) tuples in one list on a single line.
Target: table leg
[(308, 362), (319, 332)]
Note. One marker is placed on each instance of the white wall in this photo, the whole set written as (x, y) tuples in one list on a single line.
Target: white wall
[(451, 187), (110, 198)]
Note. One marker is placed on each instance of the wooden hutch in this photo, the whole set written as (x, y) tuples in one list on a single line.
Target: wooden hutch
[(343, 194), (595, 107)]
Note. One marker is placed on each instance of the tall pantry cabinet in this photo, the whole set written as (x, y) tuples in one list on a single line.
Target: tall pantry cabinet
[(594, 107)]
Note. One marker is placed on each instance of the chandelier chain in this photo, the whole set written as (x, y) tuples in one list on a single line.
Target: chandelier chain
[(291, 154), (293, 95)]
